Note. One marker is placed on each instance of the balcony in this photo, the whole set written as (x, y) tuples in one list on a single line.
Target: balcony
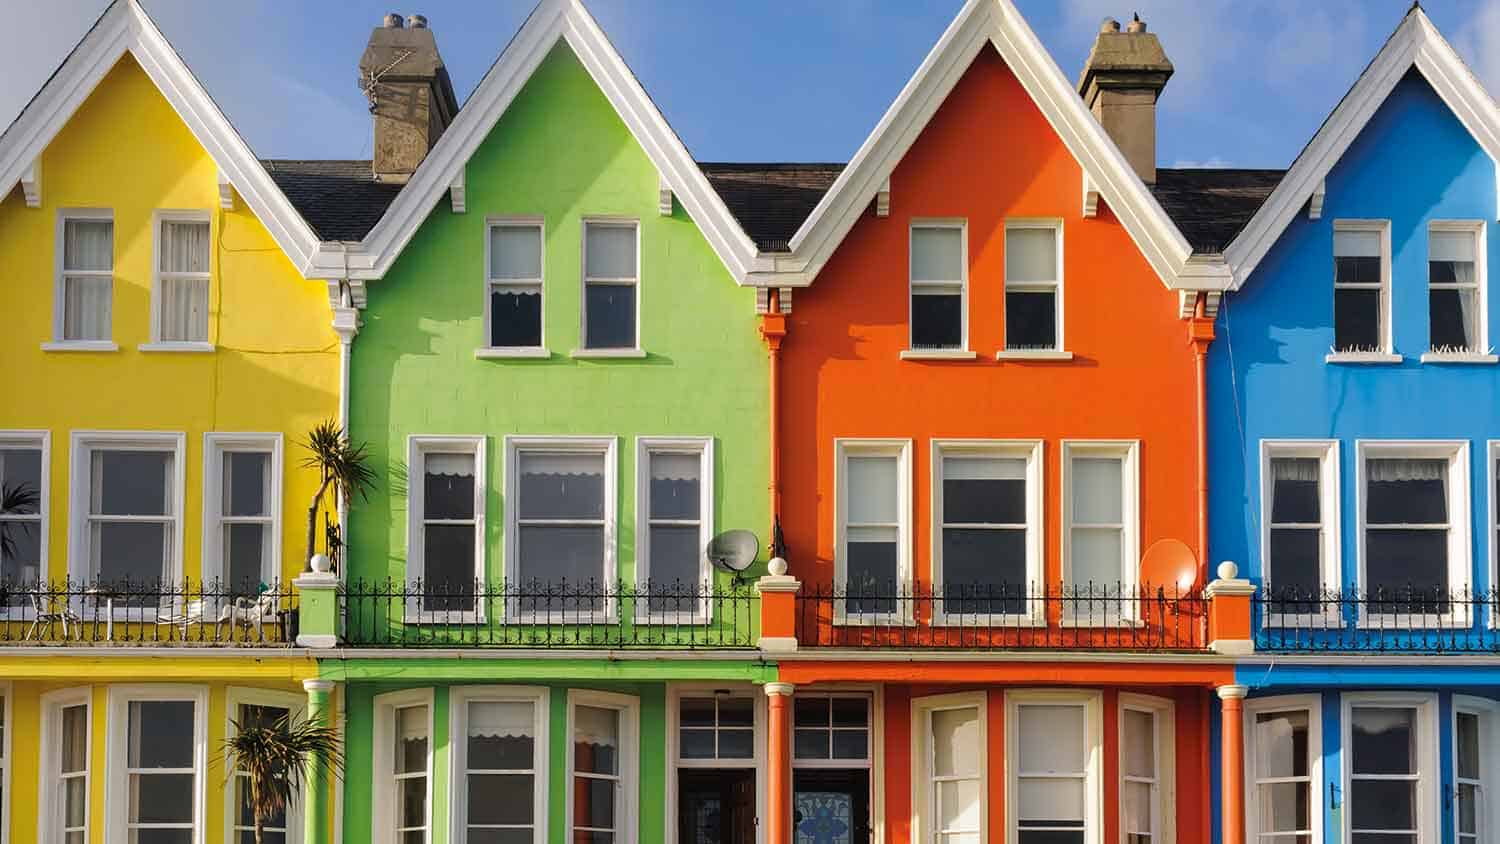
[(189, 614), (999, 617), (1390, 620), (550, 614)]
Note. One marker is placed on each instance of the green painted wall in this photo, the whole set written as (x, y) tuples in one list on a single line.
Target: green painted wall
[(560, 152)]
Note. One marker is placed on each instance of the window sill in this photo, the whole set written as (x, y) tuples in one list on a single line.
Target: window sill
[(938, 354), (1458, 357), (586, 354), (81, 346), (1362, 357), (492, 353), (1034, 354), (199, 348)]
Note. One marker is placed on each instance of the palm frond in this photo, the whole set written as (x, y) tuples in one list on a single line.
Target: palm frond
[(344, 464), (278, 757), (16, 498)]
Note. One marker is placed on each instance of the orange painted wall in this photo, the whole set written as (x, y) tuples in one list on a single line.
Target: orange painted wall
[(987, 155)]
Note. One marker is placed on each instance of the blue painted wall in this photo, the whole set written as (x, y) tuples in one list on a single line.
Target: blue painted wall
[(1414, 162)]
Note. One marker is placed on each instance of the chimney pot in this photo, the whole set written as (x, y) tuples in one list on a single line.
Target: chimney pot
[(416, 21), (392, 21), (1136, 24), (1109, 25), (1121, 81), (411, 96)]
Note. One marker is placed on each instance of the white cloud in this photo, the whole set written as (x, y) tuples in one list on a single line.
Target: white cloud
[(1478, 41), (51, 29), (1214, 162)]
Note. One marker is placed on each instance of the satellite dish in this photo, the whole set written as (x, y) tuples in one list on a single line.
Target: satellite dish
[(733, 551), (1169, 564)]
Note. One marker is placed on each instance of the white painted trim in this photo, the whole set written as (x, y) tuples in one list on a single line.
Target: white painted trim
[(486, 350), (459, 698), (234, 697), (116, 789), (1312, 704), (1480, 354), (1362, 358), (215, 446), (125, 27), (457, 192), (1093, 703), (1488, 712), (1034, 355), (178, 347), (703, 449), (923, 820), (937, 354), (159, 216), (1059, 343), (1430, 776), (627, 827), (539, 353), (1415, 43), (1030, 451), (226, 191), (1330, 573), (31, 187), (911, 351), (60, 342), (676, 691), (1492, 541), (584, 280), (83, 444), (383, 765), (1164, 805), (49, 808), (1128, 452), (38, 438), (418, 446), (81, 346), (901, 449)]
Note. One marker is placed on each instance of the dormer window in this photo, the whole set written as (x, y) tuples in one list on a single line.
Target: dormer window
[(1361, 286), (1454, 288)]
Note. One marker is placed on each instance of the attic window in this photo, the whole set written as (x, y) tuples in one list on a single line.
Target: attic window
[(1033, 287), (937, 285), (1361, 272), (513, 300), (1454, 289)]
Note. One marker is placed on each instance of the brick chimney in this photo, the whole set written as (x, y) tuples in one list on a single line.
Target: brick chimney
[(1121, 80), (411, 97)]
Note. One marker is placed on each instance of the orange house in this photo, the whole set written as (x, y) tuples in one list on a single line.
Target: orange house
[(988, 410)]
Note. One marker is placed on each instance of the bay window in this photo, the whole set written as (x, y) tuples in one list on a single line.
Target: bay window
[(1475, 748), (66, 722), (1415, 530), (159, 735), (403, 767), (127, 505), (1284, 753), (180, 295), (445, 524), (939, 281), (987, 551), (1392, 779), (602, 767), (501, 759), (950, 746), (1055, 740), (260, 709), (872, 552), (1146, 769)]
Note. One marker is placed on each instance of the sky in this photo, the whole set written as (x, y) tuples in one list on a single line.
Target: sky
[(770, 80)]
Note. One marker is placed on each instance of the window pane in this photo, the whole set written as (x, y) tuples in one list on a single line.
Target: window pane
[(1468, 810), (1356, 243), (21, 467), (88, 244), (851, 712), (675, 553), (984, 490), (610, 316), (872, 561), (132, 483), (1406, 563), (501, 799), (1294, 490), (411, 739), (561, 486), (984, 571), (161, 798), (412, 812), (448, 486), (937, 254), (184, 310), (736, 744), (22, 564), (448, 556), (1354, 269), (1356, 320), (1383, 804), (1281, 746), (1097, 490), (516, 252), (937, 321), (957, 749), (736, 712), (811, 744), (1095, 558), (86, 308), (1295, 559), (1285, 807), (1031, 320), (596, 740), (698, 712), (810, 711), (75, 747), (515, 317), (1406, 491), (161, 734), (1138, 811), (1052, 739), (131, 551), (1468, 745), (554, 554), (1140, 744), (958, 804), (247, 483), (851, 744), (593, 802), (610, 250), (1452, 314), (872, 487), (676, 490), (245, 552), (1384, 741), (184, 247), (1445, 246), (1050, 800), (501, 735), (1030, 254)]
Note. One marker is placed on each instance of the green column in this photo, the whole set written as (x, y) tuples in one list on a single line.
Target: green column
[(315, 823)]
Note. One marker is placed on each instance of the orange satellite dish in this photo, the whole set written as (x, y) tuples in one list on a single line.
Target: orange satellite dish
[(1169, 564)]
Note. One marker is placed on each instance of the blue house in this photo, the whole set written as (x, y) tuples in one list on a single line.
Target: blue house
[(1354, 434)]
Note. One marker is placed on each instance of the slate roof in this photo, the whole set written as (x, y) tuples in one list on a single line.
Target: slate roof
[(770, 201), (340, 199), (1211, 206)]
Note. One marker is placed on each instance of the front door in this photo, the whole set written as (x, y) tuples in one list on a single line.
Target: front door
[(831, 807), (716, 806)]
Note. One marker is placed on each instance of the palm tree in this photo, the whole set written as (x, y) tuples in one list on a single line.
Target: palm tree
[(277, 757), (341, 465), (16, 498)]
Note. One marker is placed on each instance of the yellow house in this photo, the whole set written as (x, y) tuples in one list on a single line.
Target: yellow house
[(164, 353)]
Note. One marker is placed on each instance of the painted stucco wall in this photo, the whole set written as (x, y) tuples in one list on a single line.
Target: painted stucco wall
[(275, 364), (561, 153), (1413, 163)]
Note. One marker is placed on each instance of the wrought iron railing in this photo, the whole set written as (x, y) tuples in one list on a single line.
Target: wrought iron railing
[(1002, 617), (124, 613), (549, 614), (1402, 619)]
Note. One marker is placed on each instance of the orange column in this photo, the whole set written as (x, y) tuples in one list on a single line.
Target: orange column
[(1233, 775), (779, 764)]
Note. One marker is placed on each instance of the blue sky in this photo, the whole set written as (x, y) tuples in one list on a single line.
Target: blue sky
[(765, 80)]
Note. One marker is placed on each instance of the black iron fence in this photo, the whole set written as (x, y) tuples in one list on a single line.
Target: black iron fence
[(124, 612), (550, 614), (1402, 619), (1002, 617)]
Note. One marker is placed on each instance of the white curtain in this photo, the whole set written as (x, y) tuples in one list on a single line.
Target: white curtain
[(411, 723), (1347, 244), (184, 309), (609, 251), (1052, 739), (86, 307), (184, 247), (984, 469), (460, 465), (1031, 254), (593, 725), (1386, 469), (937, 254), (1451, 246), (88, 245), (871, 487), (1302, 469), (1098, 488), (516, 252), (957, 750), (676, 467), (542, 463), (497, 719)]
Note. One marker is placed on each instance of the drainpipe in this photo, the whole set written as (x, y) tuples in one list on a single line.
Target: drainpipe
[(1201, 334), (773, 328), (346, 325)]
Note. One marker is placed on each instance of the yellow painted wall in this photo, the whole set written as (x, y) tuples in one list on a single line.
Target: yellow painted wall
[(275, 366)]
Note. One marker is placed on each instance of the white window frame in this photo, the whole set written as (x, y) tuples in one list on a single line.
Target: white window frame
[(1330, 567), (1128, 453), (901, 449), (836, 764), (418, 446), (1488, 713), (1312, 704), (703, 449), (486, 348), (215, 446), (84, 444), (116, 795), (1481, 352), (1386, 353), (1056, 288), (608, 448), (1460, 547), (1429, 778), (50, 820), (383, 769), (159, 218), (629, 709), (1093, 790), (1164, 787), (1492, 477), (675, 693), (962, 282), (924, 813), (296, 705), (458, 722), (7, 770), (585, 350), (1031, 451), (38, 439), (60, 285)]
